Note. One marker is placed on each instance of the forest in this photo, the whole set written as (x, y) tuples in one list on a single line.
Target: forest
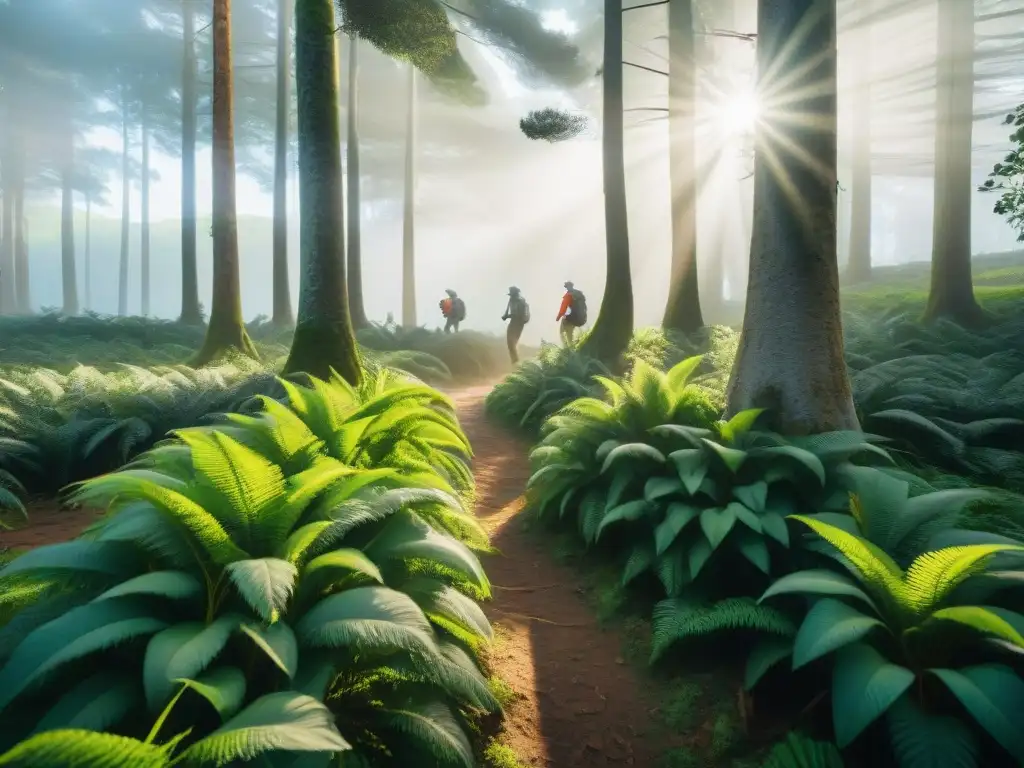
[(263, 501)]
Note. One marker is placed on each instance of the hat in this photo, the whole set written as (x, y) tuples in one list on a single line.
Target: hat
[(450, 292), (568, 285), (512, 291)]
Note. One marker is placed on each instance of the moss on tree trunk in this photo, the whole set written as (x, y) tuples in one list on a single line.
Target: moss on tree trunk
[(682, 313), (226, 330), (282, 317), (613, 328), (952, 291), (323, 332), (790, 357), (191, 312)]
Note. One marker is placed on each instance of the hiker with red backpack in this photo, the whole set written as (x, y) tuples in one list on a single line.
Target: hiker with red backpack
[(572, 313), (454, 311)]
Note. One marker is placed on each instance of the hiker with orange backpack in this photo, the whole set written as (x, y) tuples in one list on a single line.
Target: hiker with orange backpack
[(572, 313), (454, 311)]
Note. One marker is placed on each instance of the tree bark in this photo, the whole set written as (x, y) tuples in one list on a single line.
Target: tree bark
[(88, 252), (23, 293), (323, 332), (283, 316), (409, 212), (683, 312), (353, 244), (191, 311), (613, 328), (144, 247), (858, 267), (952, 291), (8, 300), (69, 281), (122, 271), (226, 330), (790, 359)]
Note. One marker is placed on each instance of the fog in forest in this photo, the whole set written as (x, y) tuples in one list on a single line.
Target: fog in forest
[(99, 82)]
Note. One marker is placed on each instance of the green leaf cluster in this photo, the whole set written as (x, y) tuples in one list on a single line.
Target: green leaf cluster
[(291, 582)]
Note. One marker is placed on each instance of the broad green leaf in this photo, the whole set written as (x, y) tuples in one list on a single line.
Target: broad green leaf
[(994, 696), (265, 584), (678, 516), (982, 620), (752, 496), (329, 569), (631, 510), (700, 553), (774, 525), (223, 687), (659, 487), (828, 626), (924, 740), (367, 618), (691, 466), (182, 651), (632, 452), (864, 686), (716, 524), (278, 642), (798, 456), (817, 582), (747, 517), (279, 721), (739, 424), (753, 547), (109, 558), (175, 585), (731, 457), (95, 704)]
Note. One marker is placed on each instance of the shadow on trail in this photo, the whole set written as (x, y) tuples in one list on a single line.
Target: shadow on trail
[(580, 705)]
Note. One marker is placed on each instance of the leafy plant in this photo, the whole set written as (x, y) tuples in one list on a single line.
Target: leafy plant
[(224, 576), (798, 751), (908, 644)]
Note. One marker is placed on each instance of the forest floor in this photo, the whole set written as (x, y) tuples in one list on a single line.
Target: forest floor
[(577, 702), (573, 685)]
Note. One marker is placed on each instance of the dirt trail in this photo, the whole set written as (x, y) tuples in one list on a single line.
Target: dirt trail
[(580, 705)]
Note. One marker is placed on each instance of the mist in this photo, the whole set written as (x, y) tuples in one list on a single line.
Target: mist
[(492, 208)]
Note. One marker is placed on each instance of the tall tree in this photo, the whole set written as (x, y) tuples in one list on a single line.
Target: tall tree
[(23, 296), (614, 325), (323, 339), (191, 312), (122, 271), (409, 210), (7, 273), (353, 244), (69, 281), (87, 261), (282, 310), (144, 214), (683, 311), (952, 291), (226, 330), (790, 358), (859, 263)]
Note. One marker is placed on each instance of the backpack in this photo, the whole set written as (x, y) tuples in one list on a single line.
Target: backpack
[(578, 314), (458, 310), (526, 312), (519, 310)]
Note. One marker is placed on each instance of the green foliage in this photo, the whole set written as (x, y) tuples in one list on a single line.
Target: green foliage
[(299, 552), (1007, 177), (553, 125), (798, 751), (907, 645)]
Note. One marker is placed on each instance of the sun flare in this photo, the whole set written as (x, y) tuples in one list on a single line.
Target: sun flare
[(740, 112)]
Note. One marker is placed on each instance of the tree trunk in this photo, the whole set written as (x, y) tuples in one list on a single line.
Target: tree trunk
[(226, 330), (122, 272), (283, 316), (682, 312), (790, 359), (8, 277), (613, 329), (23, 293), (88, 252), (323, 332), (191, 311), (858, 267), (952, 292), (354, 243), (69, 281), (144, 248), (409, 212)]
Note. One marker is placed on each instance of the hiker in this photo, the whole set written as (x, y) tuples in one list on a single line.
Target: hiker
[(572, 313), (454, 310), (518, 314)]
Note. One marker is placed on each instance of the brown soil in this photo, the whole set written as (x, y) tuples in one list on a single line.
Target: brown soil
[(579, 704), (47, 524)]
